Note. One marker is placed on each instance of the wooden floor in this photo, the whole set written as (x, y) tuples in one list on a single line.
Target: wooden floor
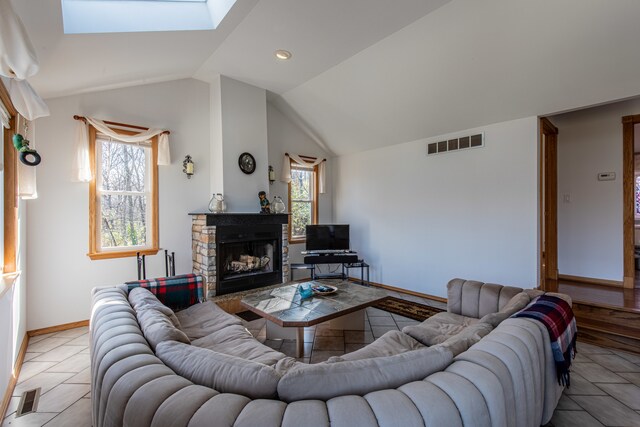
[(609, 295), (605, 315)]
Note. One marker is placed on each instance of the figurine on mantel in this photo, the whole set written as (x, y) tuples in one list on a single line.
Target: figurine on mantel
[(265, 206)]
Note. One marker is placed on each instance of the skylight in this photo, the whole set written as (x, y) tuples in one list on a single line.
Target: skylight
[(123, 16)]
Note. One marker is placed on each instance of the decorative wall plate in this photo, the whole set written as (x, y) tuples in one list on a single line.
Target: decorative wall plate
[(247, 163)]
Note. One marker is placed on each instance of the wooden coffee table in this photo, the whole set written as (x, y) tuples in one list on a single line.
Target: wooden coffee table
[(287, 313)]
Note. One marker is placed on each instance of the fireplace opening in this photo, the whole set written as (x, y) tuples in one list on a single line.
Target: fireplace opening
[(248, 257)]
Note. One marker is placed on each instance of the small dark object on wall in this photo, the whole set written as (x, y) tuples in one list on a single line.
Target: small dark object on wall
[(22, 145), (265, 206), (247, 163)]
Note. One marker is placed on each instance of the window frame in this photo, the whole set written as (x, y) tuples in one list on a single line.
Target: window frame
[(314, 199), (10, 184), (95, 252)]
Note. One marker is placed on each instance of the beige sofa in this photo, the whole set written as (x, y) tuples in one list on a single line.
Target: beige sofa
[(470, 366)]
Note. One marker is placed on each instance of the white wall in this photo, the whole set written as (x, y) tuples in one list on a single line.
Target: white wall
[(240, 110), (59, 272), (287, 137), (590, 224), (420, 221)]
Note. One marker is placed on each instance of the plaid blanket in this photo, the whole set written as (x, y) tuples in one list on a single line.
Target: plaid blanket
[(176, 292), (556, 314)]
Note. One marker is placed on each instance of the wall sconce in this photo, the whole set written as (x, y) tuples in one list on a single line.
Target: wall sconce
[(272, 175), (187, 166)]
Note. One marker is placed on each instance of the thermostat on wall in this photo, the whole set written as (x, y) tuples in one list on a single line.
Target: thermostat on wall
[(607, 176)]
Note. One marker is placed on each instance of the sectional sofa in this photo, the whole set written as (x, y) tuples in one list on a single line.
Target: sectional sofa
[(470, 366)]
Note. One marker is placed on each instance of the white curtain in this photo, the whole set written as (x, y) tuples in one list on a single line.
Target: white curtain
[(81, 160), (27, 188), (18, 61), (286, 169), (18, 58)]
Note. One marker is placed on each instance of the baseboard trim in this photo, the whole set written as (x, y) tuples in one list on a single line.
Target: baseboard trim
[(58, 328), (591, 280), (14, 378), (405, 291)]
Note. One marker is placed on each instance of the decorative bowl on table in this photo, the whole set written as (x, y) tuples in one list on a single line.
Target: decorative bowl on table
[(324, 289)]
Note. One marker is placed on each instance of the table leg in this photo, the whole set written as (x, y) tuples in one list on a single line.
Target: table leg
[(299, 342)]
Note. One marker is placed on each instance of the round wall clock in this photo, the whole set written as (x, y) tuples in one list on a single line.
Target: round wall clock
[(247, 163)]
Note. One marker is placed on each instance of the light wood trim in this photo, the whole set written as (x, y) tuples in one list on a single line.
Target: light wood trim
[(10, 188), (94, 228), (406, 291), (549, 213), (121, 254), (14, 378), (628, 263), (314, 202), (590, 280), (58, 328)]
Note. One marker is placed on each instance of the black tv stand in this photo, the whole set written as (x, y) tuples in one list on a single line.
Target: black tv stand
[(331, 258), (348, 261)]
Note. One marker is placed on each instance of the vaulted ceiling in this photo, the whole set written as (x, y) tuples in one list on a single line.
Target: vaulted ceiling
[(371, 73)]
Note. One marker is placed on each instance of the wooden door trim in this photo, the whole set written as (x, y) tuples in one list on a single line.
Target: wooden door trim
[(628, 217), (548, 203)]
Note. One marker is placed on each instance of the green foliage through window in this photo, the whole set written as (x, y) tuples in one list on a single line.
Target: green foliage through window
[(123, 194), (302, 199)]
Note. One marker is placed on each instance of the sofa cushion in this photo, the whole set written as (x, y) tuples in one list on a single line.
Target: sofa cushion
[(157, 327), (202, 319), (222, 372), (466, 338), (141, 299), (235, 340), (438, 328), (515, 304), (392, 342), (328, 380)]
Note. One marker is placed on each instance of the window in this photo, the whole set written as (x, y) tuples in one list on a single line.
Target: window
[(303, 192), (123, 197), (107, 16)]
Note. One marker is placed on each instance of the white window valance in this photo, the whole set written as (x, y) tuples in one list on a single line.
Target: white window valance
[(18, 61), (82, 161), (297, 159)]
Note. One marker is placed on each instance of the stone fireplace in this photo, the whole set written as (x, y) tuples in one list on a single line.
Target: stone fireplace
[(240, 251)]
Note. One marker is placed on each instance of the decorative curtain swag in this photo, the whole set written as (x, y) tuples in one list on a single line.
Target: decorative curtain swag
[(81, 161), (311, 162)]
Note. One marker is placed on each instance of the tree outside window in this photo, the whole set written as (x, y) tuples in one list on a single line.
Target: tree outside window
[(303, 190), (123, 211)]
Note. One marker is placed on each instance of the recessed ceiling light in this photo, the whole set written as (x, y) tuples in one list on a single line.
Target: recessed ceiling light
[(283, 54)]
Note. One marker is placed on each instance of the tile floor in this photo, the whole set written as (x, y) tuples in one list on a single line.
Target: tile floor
[(605, 389)]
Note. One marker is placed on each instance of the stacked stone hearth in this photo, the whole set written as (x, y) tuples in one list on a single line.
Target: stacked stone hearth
[(204, 250)]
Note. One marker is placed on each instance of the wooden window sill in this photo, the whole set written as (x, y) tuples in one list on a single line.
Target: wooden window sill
[(121, 254)]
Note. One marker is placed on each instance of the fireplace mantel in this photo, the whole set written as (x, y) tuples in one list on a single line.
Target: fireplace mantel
[(243, 218)]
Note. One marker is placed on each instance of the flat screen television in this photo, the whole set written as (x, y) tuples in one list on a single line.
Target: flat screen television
[(324, 237)]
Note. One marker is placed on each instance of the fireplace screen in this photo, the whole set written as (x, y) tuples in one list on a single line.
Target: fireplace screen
[(244, 258)]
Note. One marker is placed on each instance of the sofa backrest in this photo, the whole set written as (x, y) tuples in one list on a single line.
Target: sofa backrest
[(476, 299)]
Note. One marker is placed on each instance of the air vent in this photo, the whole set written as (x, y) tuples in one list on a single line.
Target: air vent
[(457, 144), (28, 402)]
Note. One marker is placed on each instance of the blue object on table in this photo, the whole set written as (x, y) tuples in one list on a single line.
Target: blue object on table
[(305, 290)]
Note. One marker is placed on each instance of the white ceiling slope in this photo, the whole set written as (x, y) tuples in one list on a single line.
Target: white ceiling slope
[(372, 73), (320, 34), (472, 63), (76, 63)]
